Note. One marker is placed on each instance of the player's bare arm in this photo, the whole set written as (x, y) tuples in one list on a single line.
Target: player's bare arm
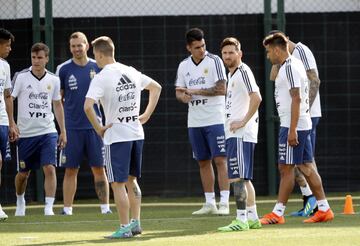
[(314, 85), (255, 100), (274, 72), (13, 129), (182, 94), (295, 113), (154, 89), (91, 115), (59, 114), (218, 90)]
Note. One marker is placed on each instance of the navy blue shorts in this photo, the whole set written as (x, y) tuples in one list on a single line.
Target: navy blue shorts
[(37, 151), (240, 158), (123, 159), (300, 154), (80, 144), (4, 143), (207, 142), (315, 122)]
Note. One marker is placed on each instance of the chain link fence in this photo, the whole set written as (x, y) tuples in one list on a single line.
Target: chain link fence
[(20, 9), (149, 35)]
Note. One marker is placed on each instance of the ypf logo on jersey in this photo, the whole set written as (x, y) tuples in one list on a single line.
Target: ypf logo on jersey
[(125, 84)]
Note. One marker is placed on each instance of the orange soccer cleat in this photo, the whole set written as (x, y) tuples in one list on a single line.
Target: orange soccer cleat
[(321, 216), (272, 218)]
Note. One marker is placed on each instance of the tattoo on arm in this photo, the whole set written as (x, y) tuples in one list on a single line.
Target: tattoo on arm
[(294, 92), (218, 90), (7, 93), (101, 191), (314, 84)]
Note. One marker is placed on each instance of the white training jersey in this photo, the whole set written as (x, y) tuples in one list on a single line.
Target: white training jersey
[(292, 74), (203, 110), (5, 83), (118, 87), (303, 53), (35, 98), (240, 84)]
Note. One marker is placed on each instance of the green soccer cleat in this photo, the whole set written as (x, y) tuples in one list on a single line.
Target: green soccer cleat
[(122, 232), (254, 224), (236, 225)]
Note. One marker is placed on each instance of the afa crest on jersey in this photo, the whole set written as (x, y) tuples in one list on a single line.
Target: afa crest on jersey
[(48, 87), (92, 73), (206, 71), (22, 164)]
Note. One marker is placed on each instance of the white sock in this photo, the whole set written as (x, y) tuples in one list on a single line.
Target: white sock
[(224, 196), (20, 199), (252, 212), (210, 198), (241, 215), (104, 208), (279, 209), (306, 191), (323, 205), (68, 210), (49, 202)]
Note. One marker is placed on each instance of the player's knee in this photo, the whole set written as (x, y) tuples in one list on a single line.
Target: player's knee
[(49, 171)]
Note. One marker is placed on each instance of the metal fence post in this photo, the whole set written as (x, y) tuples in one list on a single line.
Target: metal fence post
[(36, 38), (269, 109)]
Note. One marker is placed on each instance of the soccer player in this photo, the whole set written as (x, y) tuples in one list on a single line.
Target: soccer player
[(8, 127), (241, 129), (75, 76), (118, 87), (201, 83), (38, 91), (303, 53), (292, 101)]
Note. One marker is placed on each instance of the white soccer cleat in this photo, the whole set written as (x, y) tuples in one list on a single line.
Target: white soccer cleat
[(3, 215), (20, 209), (48, 212), (223, 209), (207, 209)]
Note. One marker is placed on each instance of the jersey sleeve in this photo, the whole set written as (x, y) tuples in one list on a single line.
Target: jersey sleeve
[(144, 80), (60, 74), (96, 90), (8, 77), (293, 76), (180, 79), (306, 56), (16, 85), (219, 71), (56, 94), (249, 80)]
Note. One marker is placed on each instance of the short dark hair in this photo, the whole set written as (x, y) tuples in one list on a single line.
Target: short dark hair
[(37, 47), (194, 34), (276, 31), (231, 41), (79, 35), (104, 45), (5, 35), (276, 39)]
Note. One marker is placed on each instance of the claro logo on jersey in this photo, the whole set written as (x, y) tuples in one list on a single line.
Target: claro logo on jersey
[(125, 84)]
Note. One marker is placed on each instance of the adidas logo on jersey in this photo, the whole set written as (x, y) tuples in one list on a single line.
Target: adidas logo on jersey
[(125, 84), (29, 87), (222, 150), (235, 172)]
